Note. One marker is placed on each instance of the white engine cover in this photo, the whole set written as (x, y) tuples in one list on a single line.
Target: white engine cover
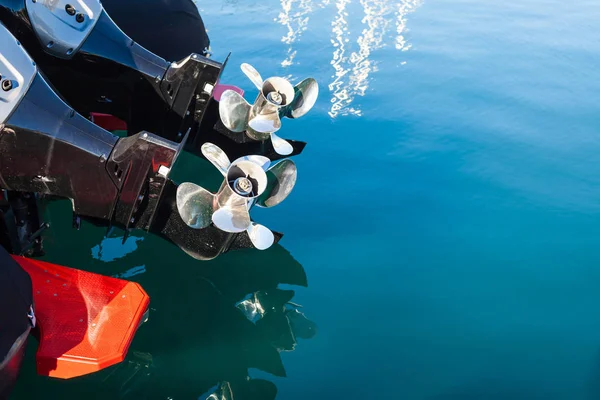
[(17, 70)]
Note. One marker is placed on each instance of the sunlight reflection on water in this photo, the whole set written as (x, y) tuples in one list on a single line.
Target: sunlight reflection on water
[(383, 25)]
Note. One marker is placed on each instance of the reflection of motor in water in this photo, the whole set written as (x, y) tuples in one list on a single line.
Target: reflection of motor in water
[(275, 314), (209, 326), (278, 321)]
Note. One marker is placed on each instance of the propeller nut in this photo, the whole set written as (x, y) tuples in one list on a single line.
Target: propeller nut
[(275, 98), (242, 186)]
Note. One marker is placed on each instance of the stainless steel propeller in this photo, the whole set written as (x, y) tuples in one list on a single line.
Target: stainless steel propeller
[(277, 98), (248, 181)]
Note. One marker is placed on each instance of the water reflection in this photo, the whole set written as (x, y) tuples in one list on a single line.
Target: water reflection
[(273, 312), (211, 324), (294, 16), (353, 68), (340, 85), (113, 248), (383, 24)]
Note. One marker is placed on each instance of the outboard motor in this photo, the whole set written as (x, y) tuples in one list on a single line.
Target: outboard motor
[(16, 319), (98, 68), (178, 30), (48, 148)]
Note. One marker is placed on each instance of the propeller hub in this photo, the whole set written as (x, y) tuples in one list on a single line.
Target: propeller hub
[(278, 91), (246, 178), (242, 186), (275, 98)]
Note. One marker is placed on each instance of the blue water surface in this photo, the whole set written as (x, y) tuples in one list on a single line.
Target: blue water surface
[(446, 210)]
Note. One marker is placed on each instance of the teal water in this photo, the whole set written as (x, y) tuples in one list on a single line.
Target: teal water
[(443, 233)]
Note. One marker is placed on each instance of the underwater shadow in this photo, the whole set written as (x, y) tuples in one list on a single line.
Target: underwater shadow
[(210, 323)]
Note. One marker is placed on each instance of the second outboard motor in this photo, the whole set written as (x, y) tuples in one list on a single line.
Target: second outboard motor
[(96, 67)]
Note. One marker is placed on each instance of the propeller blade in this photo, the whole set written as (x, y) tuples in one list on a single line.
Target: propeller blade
[(265, 123), (281, 179), (195, 205), (306, 93), (234, 111), (281, 146), (216, 156), (263, 161), (232, 219), (262, 238), (253, 75)]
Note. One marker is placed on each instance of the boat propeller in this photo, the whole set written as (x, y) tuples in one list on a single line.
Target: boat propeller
[(277, 98), (249, 181)]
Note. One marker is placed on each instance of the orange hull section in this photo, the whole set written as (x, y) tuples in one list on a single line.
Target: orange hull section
[(87, 321)]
